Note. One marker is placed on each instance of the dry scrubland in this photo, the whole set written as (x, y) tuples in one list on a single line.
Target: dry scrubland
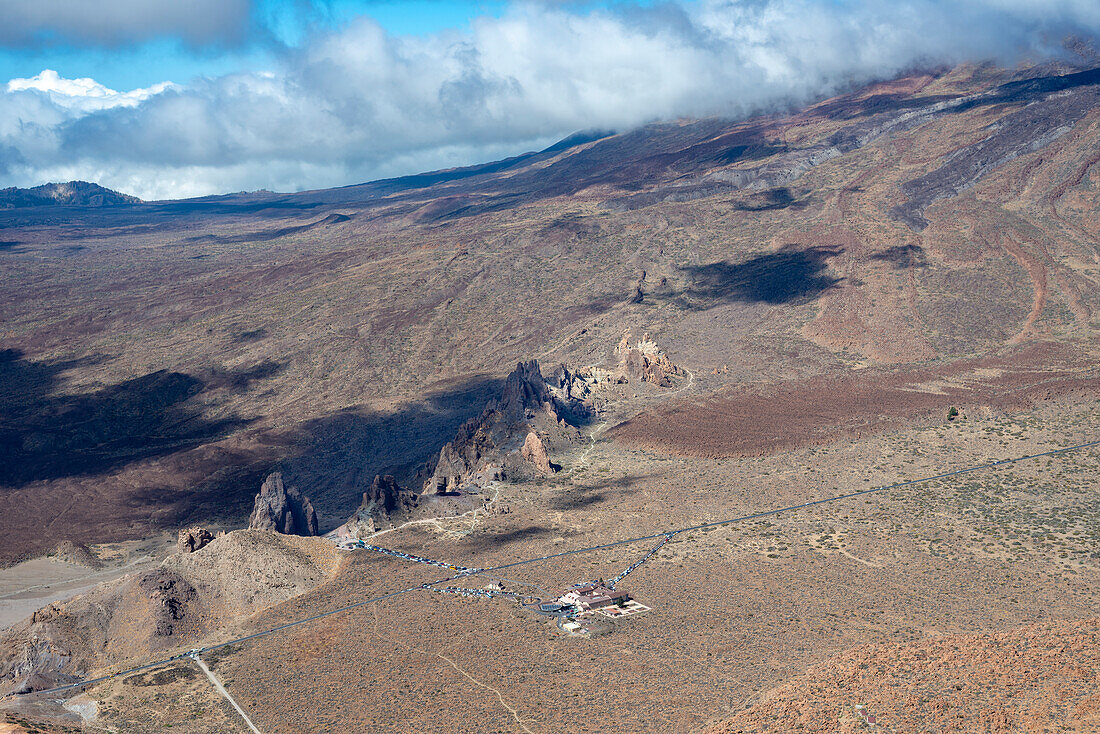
[(832, 281), (876, 596)]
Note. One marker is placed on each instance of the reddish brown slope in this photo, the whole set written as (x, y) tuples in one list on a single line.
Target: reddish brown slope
[(1039, 678), (760, 419)]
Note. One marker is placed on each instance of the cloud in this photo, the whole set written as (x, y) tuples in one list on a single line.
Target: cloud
[(84, 95), (356, 103), (36, 23)]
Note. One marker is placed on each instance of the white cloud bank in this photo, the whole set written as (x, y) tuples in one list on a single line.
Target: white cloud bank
[(84, 95), (358, 104)]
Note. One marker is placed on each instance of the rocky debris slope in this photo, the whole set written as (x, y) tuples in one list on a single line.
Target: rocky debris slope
[(193, 539), (77, 554), (489, 447), (130, 619), (384, 504), (283, 509), (1042, 677)]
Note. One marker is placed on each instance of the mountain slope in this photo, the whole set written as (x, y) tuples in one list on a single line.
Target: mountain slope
[(1030, 679), (891, 237), (73, 193)]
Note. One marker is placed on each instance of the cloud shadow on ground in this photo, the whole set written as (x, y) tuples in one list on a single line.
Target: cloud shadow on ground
[(788, 277), (46, 433)]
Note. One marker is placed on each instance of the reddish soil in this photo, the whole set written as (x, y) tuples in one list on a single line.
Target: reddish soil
[(755, 420), (1035, 679)]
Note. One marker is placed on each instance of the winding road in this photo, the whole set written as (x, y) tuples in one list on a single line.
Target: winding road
[(468, 573)]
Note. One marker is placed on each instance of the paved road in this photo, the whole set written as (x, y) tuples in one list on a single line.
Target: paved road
[(767, 513), (467, 573)]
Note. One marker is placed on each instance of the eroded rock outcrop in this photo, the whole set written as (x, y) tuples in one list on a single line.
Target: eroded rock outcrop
[(283, 509), (387, 496), (472, 449), (643, 360), (383, 504), (513, 437), (193, 539), (534, 451), (524, 392), (489, 447), (633, 361)]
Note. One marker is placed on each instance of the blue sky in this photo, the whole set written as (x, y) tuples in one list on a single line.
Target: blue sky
[(165, 99), (288, 21)]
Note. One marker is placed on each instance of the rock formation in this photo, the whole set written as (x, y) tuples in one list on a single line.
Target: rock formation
[(193, 539), (513, 436), (645, 361), (641, 361), (283, 509), (388, 497), (574, 390), (524, 392), (535, 452), (384, 503), (467, 453), (486, 448)]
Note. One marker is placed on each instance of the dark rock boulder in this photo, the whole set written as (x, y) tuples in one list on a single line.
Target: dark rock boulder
[(383, 503), (283, 509), (487, 448), (171, 597)]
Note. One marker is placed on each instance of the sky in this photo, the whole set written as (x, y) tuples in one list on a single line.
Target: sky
[(165, 99)]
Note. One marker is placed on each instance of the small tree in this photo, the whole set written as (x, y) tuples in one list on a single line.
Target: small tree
[(952, 413)]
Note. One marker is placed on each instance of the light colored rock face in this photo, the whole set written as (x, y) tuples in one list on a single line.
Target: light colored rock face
[(535, 452), (645, 361), (193, 539), (283, 509)]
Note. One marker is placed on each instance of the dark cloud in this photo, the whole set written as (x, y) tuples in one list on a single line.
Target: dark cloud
[(36, 23)]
